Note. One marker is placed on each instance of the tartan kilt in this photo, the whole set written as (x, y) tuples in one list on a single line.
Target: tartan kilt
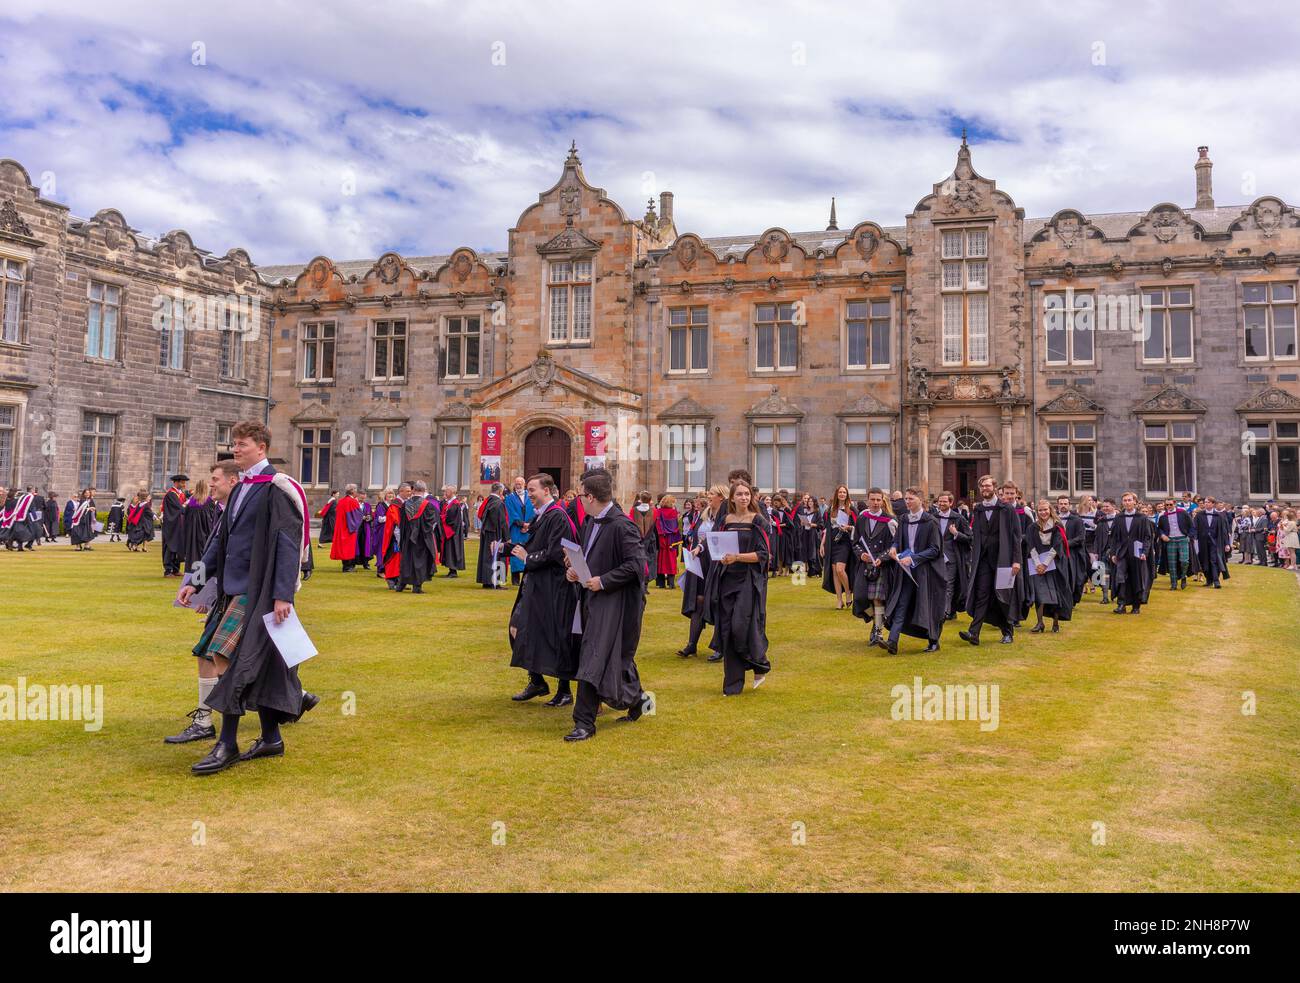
[(1177, 549), (230, 629), (877, 588)]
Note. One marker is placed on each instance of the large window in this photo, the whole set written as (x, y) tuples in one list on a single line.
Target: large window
[(1268, 313), (463, 338), (866, 334), (318, 351), (964, 288), (103, 314), (8, 442), (775, 456), (11, 301), (1169, 320), (776, 338), (232, 343), (386, 444), (867, 462), (96, 469), (1068, 318), (688, 339), (1274, 459), (569, 301), (687, 456), (168, 436), (1171, 456), (455, 456), (1072, 458), (225, 443), (171, 334), (388, 351), (315, 450)]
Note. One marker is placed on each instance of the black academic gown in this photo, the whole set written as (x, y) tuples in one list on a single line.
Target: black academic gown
[(996, 541), (495, 529), (956, 554), (142, 531), (928, 605), (1023, 600), (1132, 574), (83, 531), (417, 549), (1207, 534), (116, 518), (1053, 589), (199, 522), (693, 586), (611, 616), (808, 539), (173, 528), (1076, 538), (876, 533), (453, 542), (544, 605), (327, 522), (736, 597), (258, 678)]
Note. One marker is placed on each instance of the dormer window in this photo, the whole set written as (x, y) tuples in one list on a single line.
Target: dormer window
[(569, 301)]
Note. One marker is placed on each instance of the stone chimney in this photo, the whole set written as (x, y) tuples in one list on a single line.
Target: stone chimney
[(1204, 189), (665, 207)]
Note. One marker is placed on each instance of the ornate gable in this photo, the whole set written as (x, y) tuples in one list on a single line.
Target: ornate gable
[(1266, 215), (866, 405), (1271, 398), (774, 405), (385, 411), (389, 269), (314, 412), (569, 242), (11, 223), (686, 409), (1165, 223), (1068, 227), (455, 410), (1072, 401), (1170, 399)]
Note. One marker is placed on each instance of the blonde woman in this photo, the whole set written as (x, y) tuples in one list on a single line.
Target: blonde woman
[(693, 585), (1288, 539), (737, 593)]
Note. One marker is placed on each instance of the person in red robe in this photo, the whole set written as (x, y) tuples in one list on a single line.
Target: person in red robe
[(391, 554), (670, 536), (347, 522)]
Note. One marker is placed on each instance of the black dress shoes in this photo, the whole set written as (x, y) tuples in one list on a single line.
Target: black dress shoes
[(1119, 610), (218, 759), (559, 700), (891, 646), (715, 657), (1006, 639), (634, 711), (932, 647), (309, 701), (966, 636), (686, 653), (194, 732), (263, 749), (530, 691), (579, 734)]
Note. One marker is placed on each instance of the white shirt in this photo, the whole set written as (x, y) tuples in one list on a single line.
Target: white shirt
[(257, 468)]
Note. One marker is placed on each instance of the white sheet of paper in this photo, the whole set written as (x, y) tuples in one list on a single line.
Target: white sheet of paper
[(1048, 562), (1006, 579), (290, 638), (97, 526), (722, 543), (842, 519), (693, 564), (706, 527), (203, 598), (577, 562), (1138, 548)]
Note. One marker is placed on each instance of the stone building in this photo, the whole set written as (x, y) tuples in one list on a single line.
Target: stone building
[(123, 359), (1074, 353)]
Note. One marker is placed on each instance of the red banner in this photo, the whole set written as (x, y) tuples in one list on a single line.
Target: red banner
[(489, 457), (594, 439)]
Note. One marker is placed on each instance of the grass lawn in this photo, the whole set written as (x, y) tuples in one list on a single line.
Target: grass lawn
[(1134, 723)]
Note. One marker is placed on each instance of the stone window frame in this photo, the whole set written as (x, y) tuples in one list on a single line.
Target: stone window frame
[(1071, 441), (226, 447), (304, 342), (167, 331), (869, 421), (686, 487), (387, 426), (1269, 304), (160, 476), (23, 263), (550, 283), (445, 335), (1190, 307), (466, 445), (8, 477), (98, 435), (776, 422), (316, 446), (1072, 313), (1270, 445), (1169, 441), (231, 334), (119, 341), (869, 321), (777, 369), (688, 327), (965, 291), (372, 344)]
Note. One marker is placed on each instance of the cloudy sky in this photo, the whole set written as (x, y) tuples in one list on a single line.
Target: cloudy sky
[(346, 128)]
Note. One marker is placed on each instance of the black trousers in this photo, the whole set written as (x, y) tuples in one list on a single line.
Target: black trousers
[(697, 624), (585, 705), (537, 679), (984, 604), (171, 561)]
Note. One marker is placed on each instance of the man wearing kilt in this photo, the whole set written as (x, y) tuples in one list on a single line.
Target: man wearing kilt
[(1174, 527), (256, 558)]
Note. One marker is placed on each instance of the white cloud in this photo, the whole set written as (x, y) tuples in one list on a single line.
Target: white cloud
[(751, 118)]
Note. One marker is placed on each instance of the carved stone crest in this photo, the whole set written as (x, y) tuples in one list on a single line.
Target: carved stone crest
[(866, 243), (11, 221), (570, 202), (962, 196), (1268, 216), (112, 237), (687, 253), (390, 268), (462, 266), (775, 247), (1068, 230), (1165, 225), (319, 272), (543, 370)]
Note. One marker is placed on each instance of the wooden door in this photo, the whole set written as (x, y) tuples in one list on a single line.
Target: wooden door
[(547, 451)]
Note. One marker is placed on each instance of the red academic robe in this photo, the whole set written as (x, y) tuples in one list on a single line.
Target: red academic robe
[(344, 546), (393, 568)]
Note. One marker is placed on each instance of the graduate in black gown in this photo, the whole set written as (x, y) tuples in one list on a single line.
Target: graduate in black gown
[(455, 526), (83, 522), (643, 516), (326, 514), (693, 586), (1052, 591), (736, 595), (918, 599), (1131, 541), (139, 523), (1101, 542), (1076, 538), (416, 521), (1207, 533), (541, 623), (874, 568), (173, 525), (1174, 531), (954, 531), (1022, 601), (808, 534), (494, 532), (201, 514), (836, 548), (609, 609), (995, 545), (115, 526)]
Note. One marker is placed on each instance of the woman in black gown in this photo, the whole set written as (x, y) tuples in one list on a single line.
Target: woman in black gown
[(836, 548), (808, 532), (737, 593), (200, 516), (693, 587), (1050, 589)]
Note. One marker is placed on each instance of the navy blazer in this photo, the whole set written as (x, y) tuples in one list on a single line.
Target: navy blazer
[(240, 534)]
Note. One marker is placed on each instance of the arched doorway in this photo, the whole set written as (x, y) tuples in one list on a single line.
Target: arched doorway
[(547, 450), (966, 454)]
